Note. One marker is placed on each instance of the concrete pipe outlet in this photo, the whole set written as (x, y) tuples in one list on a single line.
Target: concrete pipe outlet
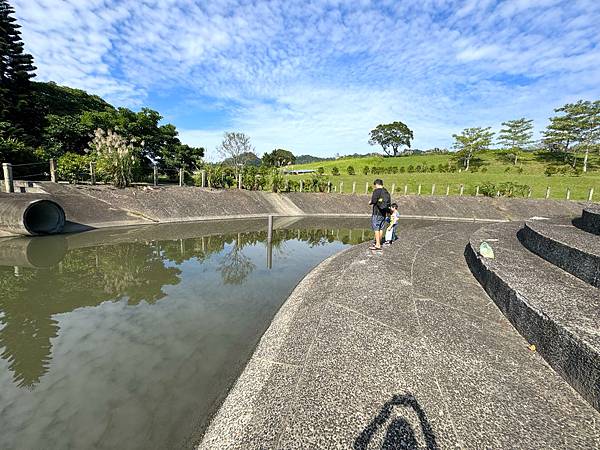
[(30, 216)]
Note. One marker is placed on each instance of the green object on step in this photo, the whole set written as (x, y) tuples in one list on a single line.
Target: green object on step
[(486, 250)]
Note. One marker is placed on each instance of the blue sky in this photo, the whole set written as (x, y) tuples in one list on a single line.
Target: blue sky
[(316, 76)]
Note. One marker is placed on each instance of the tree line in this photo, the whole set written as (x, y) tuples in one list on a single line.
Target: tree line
[(39, 121), (574, 129)]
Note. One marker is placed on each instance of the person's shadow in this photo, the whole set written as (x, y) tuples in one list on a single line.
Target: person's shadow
[(400, 434)]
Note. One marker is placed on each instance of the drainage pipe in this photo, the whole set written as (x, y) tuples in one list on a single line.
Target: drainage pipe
[(30, 216)]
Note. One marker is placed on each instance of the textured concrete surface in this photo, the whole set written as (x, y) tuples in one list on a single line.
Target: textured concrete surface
[(552, 309), (399, 349), (565, 246), (590, 220), (441, 206)]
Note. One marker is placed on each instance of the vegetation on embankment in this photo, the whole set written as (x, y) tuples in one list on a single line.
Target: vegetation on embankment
[(536, 170)]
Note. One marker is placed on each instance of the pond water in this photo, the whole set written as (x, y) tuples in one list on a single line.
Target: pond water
[(131, 338)]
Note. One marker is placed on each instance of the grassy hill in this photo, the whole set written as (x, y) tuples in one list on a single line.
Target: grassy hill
[(489, 170)]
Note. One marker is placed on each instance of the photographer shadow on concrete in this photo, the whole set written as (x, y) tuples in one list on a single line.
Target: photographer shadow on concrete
[(400, 434)]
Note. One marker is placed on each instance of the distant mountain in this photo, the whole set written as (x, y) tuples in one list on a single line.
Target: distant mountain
[(305, 159)]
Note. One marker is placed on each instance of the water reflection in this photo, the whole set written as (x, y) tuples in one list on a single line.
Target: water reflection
[(135, 272)]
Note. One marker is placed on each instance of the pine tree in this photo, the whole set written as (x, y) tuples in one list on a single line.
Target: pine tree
[(16, 71), (516, 136)]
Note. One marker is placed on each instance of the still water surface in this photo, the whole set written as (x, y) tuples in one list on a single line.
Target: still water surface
[(131, 338)]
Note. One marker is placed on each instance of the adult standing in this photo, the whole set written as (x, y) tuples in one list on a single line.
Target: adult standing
[(381, 201)]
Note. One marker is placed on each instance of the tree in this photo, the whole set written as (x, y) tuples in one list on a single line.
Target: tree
[(471, 141), (183, 156), (278, 158), (391, 136), (577, 127), (232, 148), (516, 136), (16, 71)]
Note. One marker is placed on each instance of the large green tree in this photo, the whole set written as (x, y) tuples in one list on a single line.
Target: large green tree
[(391, 137), (16, 71), (278, 158), (516, 135), (576, 127), (471, 141)]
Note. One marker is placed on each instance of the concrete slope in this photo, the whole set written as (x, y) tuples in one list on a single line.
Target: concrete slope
[(551, 308), (590, 219), (565, 246), (401, 349), (439, 206)]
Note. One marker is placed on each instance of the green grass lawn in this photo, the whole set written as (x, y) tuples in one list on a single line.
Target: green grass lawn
[(488, 167)]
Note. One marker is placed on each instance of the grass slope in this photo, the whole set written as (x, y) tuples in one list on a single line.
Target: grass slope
[(488, 167)]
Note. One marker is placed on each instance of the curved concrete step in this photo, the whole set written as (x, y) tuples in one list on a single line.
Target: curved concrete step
[(565, 246), (590, 219), (552, 309)]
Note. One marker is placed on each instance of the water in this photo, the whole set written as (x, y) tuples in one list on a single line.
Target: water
[(131, 338)]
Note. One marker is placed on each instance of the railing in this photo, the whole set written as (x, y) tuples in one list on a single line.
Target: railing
[(47, 171)]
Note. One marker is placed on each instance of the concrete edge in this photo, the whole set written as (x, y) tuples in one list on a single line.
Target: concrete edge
[(221, 429), (566, 353), (583, 265), (590, 219)]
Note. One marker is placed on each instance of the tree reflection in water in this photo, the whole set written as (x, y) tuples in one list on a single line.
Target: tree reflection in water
[(132, 272)]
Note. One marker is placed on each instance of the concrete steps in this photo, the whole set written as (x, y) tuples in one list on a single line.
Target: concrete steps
[(565, 246), (590, 219), (554, 310)]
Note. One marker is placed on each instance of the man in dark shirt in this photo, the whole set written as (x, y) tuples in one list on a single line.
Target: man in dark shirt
[(381, 202)]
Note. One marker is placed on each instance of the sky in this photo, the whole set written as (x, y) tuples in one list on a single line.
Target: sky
[(315, 77)]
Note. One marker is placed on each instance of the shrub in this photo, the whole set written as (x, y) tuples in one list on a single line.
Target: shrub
[(394, 170), (441, 168), (366, 170), (116, 157), (432, 168), (350, 170), (321, 170), (550, 170), (411, 169), (507, 189), (418, 169), (484, 170), (73, 167), (402, 169), (335, 171), (276, 181)]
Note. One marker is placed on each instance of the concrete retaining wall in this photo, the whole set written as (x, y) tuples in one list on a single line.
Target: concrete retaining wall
[(104, 206)]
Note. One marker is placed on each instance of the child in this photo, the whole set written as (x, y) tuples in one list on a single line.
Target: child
[(390, 233)]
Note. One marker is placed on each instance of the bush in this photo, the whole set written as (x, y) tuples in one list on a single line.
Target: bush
[(350, 170), (366, 170), (276, 181), (550, 170), (335, 171), (411, 169), (418, 169), (72, 167), (394, 170), (402, 169), (484, 170), (441, 168), (432, 168), (116, 157), (321, 170), (507, 189)]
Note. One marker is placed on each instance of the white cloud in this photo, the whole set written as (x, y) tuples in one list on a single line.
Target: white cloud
[(317, 75)]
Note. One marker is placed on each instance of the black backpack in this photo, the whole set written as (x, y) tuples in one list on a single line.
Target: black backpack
[(385, 201)]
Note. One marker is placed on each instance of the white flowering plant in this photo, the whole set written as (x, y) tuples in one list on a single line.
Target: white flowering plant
[(116, 157)]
